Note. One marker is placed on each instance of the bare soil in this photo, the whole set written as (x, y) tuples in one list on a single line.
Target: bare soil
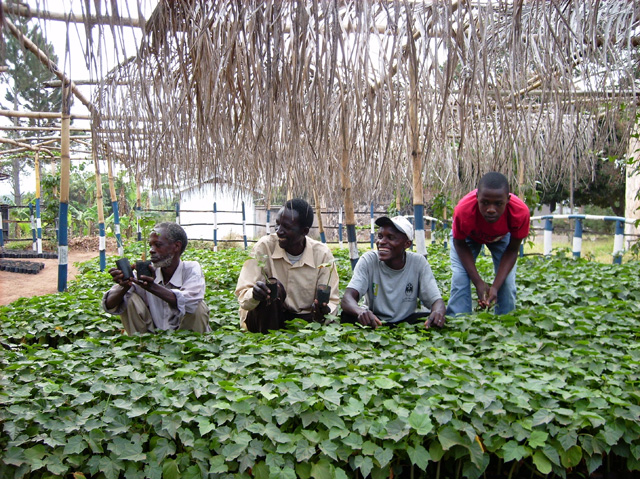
[(14, 286)]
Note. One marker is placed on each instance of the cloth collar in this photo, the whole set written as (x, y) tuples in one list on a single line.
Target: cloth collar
[(176, 279), (306, 258)]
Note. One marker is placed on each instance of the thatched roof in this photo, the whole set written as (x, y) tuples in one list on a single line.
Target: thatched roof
[(272, 93)]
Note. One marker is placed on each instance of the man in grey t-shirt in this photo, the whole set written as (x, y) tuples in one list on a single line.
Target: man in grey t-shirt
[(392, 280)]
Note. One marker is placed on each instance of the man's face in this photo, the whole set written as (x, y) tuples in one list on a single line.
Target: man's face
[(391, 243), (162, 250), (492, 203), (290, 233)]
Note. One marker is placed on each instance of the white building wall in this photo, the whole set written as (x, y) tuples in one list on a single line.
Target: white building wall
[(199, 225)]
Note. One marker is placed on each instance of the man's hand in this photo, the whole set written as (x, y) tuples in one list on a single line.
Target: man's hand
[(146, 282), (483, 290), (118, 277), (367, 318), (261, 291), (436, 318), (318, 312), (492, 297)]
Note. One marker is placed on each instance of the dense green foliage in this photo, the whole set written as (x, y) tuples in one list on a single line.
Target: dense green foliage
[(551, 388)]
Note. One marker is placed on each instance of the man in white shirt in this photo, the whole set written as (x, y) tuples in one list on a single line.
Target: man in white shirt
[(172, 298)]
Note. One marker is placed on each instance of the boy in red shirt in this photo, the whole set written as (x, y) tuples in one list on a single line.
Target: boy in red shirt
[(493, 217)]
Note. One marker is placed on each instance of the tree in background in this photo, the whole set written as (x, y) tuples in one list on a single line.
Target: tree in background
[(24, 79)]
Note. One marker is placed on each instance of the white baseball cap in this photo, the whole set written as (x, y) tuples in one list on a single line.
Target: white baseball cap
[(400, 223)]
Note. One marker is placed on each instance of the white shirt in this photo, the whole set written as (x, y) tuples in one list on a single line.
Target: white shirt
[(187, 283)]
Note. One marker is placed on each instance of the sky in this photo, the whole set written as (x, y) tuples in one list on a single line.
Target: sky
[(70, 41)]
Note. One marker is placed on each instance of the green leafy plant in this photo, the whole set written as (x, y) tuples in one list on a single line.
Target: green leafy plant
[(551, 388)]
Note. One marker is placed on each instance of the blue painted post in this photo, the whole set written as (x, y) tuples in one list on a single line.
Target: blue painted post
[(577, 236), (1, 232), (116, 227), (178, 212), (267, 226), (340, 227), (445, 229), (618, 242), (63, 246), (548, 235), (215, 226), (32, 219), (138, 210), (372, 226), (244, 227), (102, 239), (418, 224), (433, 231), (353, 245), (39, 226)]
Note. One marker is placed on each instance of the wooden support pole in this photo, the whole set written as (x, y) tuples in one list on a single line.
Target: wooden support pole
[(316, 200), (416, 149), (100, 206), (350, 217), (36, 167), (114, 205), (65, 169)]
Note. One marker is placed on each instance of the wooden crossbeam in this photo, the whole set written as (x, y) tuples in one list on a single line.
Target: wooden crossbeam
[(26, 11)]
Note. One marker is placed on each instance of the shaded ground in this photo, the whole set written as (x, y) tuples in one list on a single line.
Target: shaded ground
[(14, 286)]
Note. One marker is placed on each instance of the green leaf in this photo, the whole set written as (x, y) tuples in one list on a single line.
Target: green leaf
[(162, 447), (110, 468), (572, 457), (35, 456), (170, 469), (538, 439), (541, 462), (512, 451), (449, 437), (386, 383), (542, 416), (421, 423), (75, 445), (14, 456), (192, 472), (304, 450), (321, 470), (364, 463), (218, 465), (419, 456)]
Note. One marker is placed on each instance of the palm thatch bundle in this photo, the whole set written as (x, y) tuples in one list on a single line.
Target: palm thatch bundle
[(339, 96)]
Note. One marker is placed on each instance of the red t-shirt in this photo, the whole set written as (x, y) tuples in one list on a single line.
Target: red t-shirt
[(469, 223)]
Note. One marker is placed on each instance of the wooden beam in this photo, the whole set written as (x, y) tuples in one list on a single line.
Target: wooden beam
[(42, 115), (26, 11), (58, 83), (40, 128)]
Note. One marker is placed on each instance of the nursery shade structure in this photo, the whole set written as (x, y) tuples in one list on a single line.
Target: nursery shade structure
[(360, 98)]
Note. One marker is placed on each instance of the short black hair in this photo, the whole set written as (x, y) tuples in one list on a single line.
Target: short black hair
[(305, 212), (494, 181), (174, 232)]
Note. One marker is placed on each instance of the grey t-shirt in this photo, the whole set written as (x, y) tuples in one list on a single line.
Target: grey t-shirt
[(393, 294)]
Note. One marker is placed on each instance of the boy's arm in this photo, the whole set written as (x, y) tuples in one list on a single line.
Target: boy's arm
[(508, 260), (468, 262)]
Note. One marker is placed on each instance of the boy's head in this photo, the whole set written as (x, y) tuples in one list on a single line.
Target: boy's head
[(493, 196)]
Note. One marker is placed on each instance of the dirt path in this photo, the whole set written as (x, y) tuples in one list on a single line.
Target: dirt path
[(14, 286), (19, 285)]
